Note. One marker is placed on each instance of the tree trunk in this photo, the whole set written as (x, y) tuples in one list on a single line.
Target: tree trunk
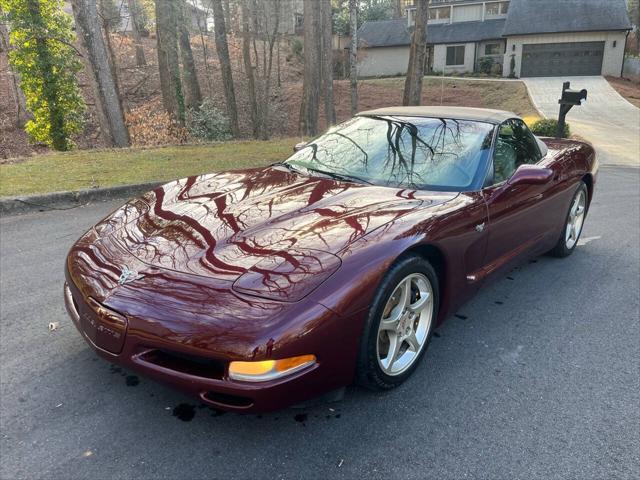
[(327, 62), (248, 67), (137, 38), (192, 93), (227, 16), (112, 124), (266, 92), (311, 79), (398, 9), (417, 56), (22, 114), (222, 48), (113, 64), (168, 65), (353, 54)]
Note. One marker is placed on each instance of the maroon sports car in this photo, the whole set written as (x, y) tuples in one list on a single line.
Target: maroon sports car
[(257, 289)]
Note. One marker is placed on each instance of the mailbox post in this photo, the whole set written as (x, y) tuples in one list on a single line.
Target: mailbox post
[(567, 101)]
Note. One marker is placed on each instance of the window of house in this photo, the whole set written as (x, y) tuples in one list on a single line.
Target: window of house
[(444, 12), (493, 8), (455, 55), (441, 13), (492, 49), (497, 8)]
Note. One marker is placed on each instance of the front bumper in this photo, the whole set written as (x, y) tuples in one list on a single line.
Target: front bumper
[(204, 373)]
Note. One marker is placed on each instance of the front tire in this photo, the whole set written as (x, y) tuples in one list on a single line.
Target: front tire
[(399, 324), (574, 222)]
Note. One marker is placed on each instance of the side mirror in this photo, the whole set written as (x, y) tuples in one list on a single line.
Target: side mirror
[(531, 175), (299, 146)]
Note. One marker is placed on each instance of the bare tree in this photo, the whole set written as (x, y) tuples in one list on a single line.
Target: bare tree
[(110, 19), (192, 92), (248, 66), (417, 56), (311, 79), (134, 19), (108, 103), (272, 25), (22, 114), (353, 54), (397, 9), (222, 48), (327, 61), (168, 63)]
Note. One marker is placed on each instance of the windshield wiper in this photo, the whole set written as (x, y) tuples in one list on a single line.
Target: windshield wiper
[(339, 176), (286, 165)]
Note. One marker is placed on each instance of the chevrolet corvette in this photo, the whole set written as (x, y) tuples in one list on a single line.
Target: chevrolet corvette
[(257, 289)]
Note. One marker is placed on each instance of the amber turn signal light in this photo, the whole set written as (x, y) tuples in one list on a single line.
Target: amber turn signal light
[(265, 370)]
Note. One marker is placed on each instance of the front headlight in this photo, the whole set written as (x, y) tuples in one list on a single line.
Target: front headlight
[(265, 370), (288, 275)]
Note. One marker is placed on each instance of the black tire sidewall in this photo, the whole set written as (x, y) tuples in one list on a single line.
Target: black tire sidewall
[(369, 373)]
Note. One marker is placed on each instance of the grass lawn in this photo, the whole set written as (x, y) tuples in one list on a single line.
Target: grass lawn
[(104, 168)]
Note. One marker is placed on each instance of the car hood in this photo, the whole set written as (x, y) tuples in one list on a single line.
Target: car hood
[(223, 225)]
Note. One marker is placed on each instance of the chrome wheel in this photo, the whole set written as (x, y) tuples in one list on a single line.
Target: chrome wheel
[(575, 220), (405, 324)]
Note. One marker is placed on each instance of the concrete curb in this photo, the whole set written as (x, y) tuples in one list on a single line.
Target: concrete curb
[(68, 200)]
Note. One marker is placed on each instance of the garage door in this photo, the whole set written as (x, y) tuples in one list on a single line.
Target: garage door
[(562, 59)]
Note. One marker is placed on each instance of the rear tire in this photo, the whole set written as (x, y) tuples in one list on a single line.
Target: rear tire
[(399, 324), (574, 221)]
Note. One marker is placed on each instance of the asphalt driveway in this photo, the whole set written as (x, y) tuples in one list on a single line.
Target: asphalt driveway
[(606, 119), (537, 377)]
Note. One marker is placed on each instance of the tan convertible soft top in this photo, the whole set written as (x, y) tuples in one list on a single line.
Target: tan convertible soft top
[(458, 113)]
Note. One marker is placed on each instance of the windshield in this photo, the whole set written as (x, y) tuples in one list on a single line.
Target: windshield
[(414, 152)]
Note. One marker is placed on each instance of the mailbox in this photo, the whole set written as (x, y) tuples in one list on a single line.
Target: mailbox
[(568, 100), (572, 97)]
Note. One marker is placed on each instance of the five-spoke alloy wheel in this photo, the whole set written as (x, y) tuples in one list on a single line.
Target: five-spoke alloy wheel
[(574, 221), (406, 318), (399, 324)]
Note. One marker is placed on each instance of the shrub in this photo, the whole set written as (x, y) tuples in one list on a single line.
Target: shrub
[(548, 128), (297, 49), (44, 56), (208, 123), (485, 64)]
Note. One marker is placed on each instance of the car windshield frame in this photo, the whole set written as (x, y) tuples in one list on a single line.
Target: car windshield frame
[(483, 143)]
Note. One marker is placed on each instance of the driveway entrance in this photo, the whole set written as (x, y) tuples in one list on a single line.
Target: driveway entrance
[(606, 119)]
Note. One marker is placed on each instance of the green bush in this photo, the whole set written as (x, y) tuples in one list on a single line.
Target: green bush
[(548, 128), (208, 123), (297, 49), (485, 64)]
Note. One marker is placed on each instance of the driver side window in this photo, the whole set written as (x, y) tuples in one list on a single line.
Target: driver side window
[(515, 146)]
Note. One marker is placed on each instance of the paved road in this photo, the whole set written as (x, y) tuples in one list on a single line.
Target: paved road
[(606, 119), (538, 377)]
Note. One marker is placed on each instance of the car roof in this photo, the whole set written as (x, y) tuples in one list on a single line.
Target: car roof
[(458, 113)]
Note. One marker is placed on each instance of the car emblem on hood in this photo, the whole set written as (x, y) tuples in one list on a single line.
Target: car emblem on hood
[(128, 276)]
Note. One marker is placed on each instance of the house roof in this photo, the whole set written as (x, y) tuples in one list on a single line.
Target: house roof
[(458, 113), (549, 16), (391, 33), (525, 17), (465, 31), (385, 33)]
